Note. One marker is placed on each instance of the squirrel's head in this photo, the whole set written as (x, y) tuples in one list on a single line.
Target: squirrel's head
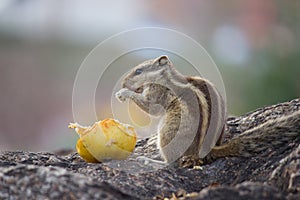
[(151, 71)]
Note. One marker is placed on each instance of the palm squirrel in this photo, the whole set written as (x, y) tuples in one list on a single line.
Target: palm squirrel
[(194, 115)]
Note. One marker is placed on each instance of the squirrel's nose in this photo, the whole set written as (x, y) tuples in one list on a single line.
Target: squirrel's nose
[(126, 83), (123, 85)]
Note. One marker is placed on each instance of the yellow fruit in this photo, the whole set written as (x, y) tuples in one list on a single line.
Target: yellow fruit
[(105, 140), (84, 153)]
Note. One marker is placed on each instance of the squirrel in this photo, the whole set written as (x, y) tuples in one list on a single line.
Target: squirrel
[(194, 117)]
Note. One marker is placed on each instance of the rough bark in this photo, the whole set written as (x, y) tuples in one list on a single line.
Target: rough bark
[(273, 174)]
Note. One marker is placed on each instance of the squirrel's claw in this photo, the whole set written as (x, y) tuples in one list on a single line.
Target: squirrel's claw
[(122, 94)]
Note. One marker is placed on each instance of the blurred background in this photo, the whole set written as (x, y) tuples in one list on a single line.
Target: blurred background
[(254, 43)]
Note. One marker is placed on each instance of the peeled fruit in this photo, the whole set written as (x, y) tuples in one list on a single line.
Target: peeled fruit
[(105, 140), (84, 153)]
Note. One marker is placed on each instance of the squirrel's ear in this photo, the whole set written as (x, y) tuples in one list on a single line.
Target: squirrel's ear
[(162, 60)]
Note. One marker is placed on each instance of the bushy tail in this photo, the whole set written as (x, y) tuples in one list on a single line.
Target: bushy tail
[(274, 133)]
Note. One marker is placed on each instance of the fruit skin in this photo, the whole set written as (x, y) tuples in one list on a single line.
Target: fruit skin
[(84, 153), (122, 135), (105, 140)]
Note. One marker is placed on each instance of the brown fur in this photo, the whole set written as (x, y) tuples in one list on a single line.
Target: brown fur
[(160, 83)]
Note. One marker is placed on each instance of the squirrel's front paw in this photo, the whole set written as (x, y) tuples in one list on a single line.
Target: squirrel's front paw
[(123, 94)]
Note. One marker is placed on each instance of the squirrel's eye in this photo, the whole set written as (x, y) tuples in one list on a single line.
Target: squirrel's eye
[(138, 71)]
